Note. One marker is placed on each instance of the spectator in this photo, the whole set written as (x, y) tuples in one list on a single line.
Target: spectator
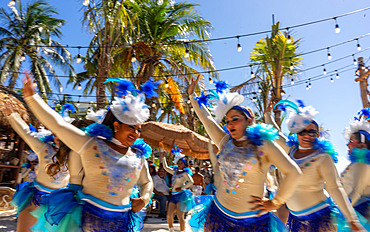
[(152, 170), (207, 173), (191, 165), (198, 185), (161, 191)]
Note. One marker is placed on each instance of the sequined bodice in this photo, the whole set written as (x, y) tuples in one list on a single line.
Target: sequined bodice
[(178, 180)]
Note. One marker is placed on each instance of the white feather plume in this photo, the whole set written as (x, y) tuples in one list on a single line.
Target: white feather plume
[(97, 116), (225, 102), (356, 126), (297, 122), (130, 110)]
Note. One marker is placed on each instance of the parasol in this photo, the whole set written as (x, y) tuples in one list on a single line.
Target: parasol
[(192, 143)]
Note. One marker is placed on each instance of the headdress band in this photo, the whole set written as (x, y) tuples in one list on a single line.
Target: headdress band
[(245, 111)]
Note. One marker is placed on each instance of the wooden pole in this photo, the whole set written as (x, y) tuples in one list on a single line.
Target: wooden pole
[(363, 74)]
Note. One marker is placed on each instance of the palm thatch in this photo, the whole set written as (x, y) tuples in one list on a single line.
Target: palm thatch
[(18, 104), (168, 135)]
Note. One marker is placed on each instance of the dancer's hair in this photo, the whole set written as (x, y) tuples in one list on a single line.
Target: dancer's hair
[(60, 159), (358, 137)]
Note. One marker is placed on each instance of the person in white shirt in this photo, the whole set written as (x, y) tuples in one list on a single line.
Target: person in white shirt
[(161, 190)]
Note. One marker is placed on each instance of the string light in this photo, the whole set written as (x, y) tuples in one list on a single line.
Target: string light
[(86, 3), (337, 75), (324, 71), (331, 80), (239, 47), (259, 87), (209, 78), (23, 57), (254, 99), (162, 111), (153, 105), (186, 55), (337, 29), (133, 57), (188, 101), (289, 38), (292, 81), (354, 59), (78, 60), (358, 45), (252, 74), (291, 64), (11, 3), (160, 2), (329, 55), (79, 86), (166, 84), (34, 84)]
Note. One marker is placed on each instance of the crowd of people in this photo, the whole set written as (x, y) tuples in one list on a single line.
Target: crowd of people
[(97, 177)]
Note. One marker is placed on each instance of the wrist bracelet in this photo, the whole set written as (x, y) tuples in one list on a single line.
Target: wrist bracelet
[(276, 202)]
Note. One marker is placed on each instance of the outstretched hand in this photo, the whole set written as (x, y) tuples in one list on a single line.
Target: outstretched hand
[(356, 226), (193, 84), (27, 86), (137, 204), (270, 106)]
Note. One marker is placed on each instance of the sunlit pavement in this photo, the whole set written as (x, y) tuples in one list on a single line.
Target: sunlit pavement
[(152, 223)]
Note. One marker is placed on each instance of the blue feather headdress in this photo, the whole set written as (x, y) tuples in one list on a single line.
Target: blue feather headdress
[(130, 107), (300, 115), (178, 156), (360, 124), (149, 88), (224, 100)]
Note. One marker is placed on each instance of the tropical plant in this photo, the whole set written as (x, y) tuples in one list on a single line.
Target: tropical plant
[(27, 32), (275, 59)]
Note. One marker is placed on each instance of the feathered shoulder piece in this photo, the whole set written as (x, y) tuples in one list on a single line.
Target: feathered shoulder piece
[(359, 124), (143, 147), (360, 156), (43, 134), (65, 110), (187, 169), (300, 115), (99, 130), (260, 132), (319, 143)]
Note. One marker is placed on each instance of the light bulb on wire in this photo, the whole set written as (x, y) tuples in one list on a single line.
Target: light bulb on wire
[(79, 86), (186, 55), (166, 84), (239, 47), (331, 80), (210, 80), (162, 111), (86, 3), (337, 29), (34, 84), (291, 81), (188, 101), (358, 46), (329, 55), (337, 75), (78, 59), (324, 71), (160, 2), (289, 39), (11, 3), (254, 99), (133, 57), (354, 60), (153, 105), (291, 64), (23, 57)]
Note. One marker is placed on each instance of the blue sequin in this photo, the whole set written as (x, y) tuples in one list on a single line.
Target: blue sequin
[(244, 173), (97, 155), (233, 192), (113, 193), (228, 191)]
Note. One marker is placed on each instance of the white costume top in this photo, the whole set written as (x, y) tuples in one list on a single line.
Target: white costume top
[(241, 175), (109, 175), (179, 180), (356, 181), (160, 185), (44, 153)]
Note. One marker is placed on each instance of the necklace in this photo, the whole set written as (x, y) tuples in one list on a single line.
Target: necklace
[(242, 138), (118, 143), (304, 148)]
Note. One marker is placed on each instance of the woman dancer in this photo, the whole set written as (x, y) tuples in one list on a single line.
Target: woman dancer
[(310, 209), (112, 166), (181, 200), (241, 168), (28, 195), (356, 177)]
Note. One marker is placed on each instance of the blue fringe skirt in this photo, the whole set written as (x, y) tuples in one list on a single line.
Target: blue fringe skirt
[(363, 207), (213, 217), (27, 193), (74, 211), (185, 198)]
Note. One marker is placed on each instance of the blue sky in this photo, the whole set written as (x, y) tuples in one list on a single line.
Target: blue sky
[(337, 102)]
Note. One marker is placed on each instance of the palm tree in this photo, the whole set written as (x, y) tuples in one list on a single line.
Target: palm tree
[(276, 58), (28, 32)]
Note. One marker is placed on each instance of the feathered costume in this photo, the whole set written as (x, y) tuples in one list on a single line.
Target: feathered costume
[(356, 177), (240, 171), (103, 204), (310, 209), (42, 144)]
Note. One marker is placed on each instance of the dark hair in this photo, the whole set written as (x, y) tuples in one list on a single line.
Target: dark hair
[(358, 137), (60, 159), (152, 168), (109, 119), (197, 168)]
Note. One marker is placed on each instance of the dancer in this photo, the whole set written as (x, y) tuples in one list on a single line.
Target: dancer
[(181, 200), (28, 195), (310, 208), (356, 177), (113, 161), (241, 167)]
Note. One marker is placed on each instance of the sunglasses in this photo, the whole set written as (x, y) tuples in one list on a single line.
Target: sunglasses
[(311, 132)]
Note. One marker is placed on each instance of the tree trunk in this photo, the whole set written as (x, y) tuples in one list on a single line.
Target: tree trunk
[(363, 76)]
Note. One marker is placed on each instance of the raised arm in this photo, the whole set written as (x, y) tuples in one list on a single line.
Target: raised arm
[(282, 138), (334, 187), (213, 129), (24, 132), (164, 162), (278, 157), (361, 179)]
